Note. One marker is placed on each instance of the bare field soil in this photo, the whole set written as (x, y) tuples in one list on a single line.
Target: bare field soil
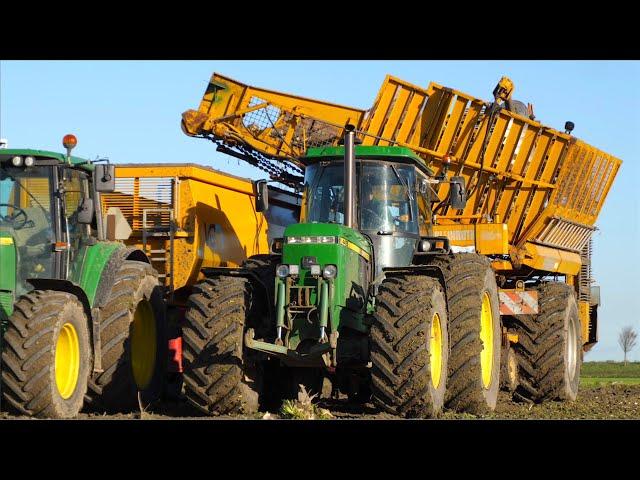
[(611, 401), (609, 390)]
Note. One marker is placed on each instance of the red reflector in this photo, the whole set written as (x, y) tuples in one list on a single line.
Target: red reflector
[(175, 355), (69, 141), (58, 246)]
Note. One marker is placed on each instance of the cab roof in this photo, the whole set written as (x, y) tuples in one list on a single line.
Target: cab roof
[(45, 154), (368, 151)]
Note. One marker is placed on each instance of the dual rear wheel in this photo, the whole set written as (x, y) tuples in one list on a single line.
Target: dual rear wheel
[(475, 332), (447, 340)]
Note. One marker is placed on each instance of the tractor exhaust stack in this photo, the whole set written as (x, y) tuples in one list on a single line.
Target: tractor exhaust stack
[(349, 175)]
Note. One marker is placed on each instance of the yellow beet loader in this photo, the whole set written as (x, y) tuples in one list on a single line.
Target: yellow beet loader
[(443, 251)]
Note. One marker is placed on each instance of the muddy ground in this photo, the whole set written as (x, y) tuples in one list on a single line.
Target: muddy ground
[(612, 401)]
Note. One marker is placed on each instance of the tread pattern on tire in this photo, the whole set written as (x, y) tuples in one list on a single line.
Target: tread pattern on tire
[(399, 355), (29, 353), (264, 267), (464, 277), (540, 347), (114, 388), (213, 346)]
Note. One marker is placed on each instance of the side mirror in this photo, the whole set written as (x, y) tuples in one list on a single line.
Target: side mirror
[(457, 193), (85, 211), (104, 177), (261, 190)]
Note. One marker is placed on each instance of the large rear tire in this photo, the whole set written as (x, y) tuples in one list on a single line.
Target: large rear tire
[(475, 332), (409, 346), (133, 333), (549, 347), (217, 378), (46, 357)]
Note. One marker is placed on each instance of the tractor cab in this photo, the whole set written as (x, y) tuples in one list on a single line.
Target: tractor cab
[(47, 215), (392, 198)]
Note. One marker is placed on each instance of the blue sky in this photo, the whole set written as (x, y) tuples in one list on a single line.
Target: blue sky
[(130, 111)]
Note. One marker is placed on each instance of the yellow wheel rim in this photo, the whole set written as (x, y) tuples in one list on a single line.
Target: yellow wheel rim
[(486, 335), (143, 344), (67, 360), (435, 347)]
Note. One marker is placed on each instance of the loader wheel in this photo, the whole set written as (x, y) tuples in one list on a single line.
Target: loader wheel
[(46, 355), (217, 378), (133, 333), (474, 332), (549, 347), (409, 346)]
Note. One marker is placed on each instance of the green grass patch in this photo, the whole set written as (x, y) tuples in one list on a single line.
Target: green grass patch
[(595, 381), (611, 370)]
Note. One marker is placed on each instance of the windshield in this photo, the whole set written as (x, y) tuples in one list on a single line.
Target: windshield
[(385, 202), (25, 215)]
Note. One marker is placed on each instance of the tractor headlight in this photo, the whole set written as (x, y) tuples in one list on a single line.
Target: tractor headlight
[(294, 270), (314, 239), (282, 271), (16, 161), (329, 272), (29, 161), (315, 270), (424, 246)]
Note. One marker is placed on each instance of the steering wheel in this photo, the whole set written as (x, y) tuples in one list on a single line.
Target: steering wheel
[(380, 219), (13, 219)]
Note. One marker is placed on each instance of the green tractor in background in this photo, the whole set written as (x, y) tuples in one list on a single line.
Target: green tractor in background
[(82, 318), (359, 291)]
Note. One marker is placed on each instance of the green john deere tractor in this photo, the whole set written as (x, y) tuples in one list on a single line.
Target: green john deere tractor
[(359, 291), (82, 318)]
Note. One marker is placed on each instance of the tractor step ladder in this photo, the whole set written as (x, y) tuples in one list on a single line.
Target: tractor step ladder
[(166, 255)]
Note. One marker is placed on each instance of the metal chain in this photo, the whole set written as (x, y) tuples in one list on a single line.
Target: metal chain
[(283, 171)]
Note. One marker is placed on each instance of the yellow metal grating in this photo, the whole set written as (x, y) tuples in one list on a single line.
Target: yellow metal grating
[(133, 195), (547, 186)]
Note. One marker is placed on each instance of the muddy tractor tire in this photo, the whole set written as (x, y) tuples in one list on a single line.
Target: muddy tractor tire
[(217, 378), (262, 312), (133, 331), (46, 357), (549, 347), (475, 332), (409, 346), (509, 370)]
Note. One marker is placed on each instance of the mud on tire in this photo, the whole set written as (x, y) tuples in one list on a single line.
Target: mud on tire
[(216, 378), (468, 277), (29, 355), (115, 388), (263, 268), (401, 361), (547, 370)]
